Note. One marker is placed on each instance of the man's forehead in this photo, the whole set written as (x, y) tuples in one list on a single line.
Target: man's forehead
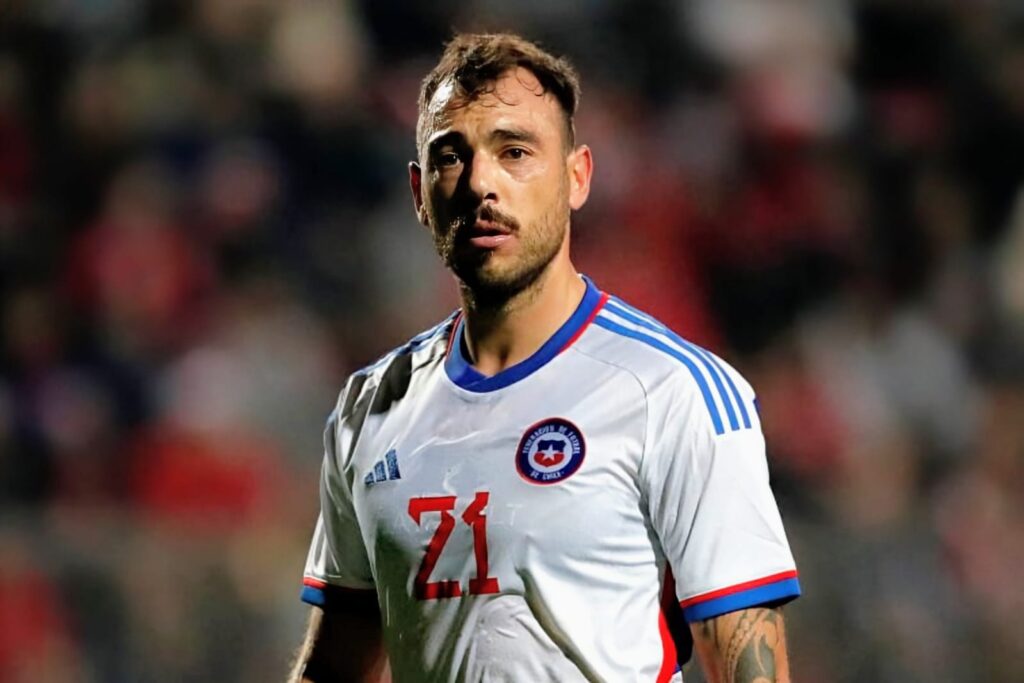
[(515, 88)]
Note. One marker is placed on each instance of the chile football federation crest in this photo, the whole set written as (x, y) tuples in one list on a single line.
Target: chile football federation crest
[(550, 451)]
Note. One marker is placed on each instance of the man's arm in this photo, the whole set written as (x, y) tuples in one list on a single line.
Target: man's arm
[(343, 644), (747, 646)]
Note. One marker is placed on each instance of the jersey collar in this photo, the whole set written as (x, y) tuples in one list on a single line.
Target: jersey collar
[(461, 372)]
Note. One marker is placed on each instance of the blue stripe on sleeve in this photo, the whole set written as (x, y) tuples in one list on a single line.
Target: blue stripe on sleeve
[(327, 594), (780, 591), (640, 318), (698, 352), (705, 390), (314, 596), (732, 387)]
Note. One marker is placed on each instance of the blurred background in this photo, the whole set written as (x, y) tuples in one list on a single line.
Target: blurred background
[(205, 225)]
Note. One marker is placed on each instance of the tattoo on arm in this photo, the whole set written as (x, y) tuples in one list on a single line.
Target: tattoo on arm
[(750, 645)]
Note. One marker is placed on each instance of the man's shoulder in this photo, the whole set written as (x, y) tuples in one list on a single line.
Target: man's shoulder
[(640, 342), (669, 365), (393, 372)]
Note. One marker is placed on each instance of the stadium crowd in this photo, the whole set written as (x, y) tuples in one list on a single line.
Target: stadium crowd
[(205, 225)]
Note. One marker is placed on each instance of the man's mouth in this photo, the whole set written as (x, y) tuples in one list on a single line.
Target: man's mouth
[(486, 227), (488, 234), (488, 239)]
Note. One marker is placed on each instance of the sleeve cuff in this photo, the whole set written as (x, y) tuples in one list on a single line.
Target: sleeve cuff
[(320, 593), (777, 588)]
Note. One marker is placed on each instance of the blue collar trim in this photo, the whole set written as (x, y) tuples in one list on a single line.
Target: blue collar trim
[(463, 374)]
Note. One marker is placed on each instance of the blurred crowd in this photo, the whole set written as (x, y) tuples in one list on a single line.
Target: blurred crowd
[(205, 225)]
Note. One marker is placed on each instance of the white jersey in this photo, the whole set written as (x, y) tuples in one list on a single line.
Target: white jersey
[(523, 527)]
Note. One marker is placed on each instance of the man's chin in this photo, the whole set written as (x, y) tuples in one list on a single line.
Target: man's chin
[(489, 282)]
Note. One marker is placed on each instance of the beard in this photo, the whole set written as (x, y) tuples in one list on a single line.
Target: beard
[(493, 279)]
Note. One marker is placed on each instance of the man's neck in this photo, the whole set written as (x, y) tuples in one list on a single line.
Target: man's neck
[(498, 337)]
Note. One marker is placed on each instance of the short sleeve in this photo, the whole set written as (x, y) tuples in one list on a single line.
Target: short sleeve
[(337, 558), (711, 506)]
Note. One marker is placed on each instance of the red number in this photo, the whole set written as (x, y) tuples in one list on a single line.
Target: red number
[(477, 521), (474, 517), (430, 590)]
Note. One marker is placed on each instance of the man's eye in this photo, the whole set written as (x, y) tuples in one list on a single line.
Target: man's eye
[(447, 159), (515, 152)]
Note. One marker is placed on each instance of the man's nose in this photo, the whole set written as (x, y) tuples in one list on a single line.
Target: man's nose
[(481, 179)]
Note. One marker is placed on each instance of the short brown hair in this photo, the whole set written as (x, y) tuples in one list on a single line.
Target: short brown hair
[(474, 61)]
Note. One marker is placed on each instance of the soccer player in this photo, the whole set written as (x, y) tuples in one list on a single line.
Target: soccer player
[(549, 485)]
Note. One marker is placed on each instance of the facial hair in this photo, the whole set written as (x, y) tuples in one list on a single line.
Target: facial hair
[(490, 284)]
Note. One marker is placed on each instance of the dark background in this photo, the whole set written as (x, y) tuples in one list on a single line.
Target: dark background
[(205, 225)]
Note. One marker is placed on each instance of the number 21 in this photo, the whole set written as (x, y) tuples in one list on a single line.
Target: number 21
[(477, 521)]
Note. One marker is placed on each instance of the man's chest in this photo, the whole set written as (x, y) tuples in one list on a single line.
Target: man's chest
[(458, 497)]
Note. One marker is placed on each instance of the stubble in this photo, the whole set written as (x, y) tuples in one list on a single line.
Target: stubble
[(487, 279)]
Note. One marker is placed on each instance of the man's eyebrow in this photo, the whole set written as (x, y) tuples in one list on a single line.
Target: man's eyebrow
[(514, 135), (449, 138), (497, 135)]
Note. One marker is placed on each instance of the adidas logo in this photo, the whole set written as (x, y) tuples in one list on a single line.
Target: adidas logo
[(384, 470)]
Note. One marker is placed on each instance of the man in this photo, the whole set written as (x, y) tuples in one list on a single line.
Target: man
[(511, 495)]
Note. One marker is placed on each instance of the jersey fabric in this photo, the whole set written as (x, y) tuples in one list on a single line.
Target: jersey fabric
[(526, 526)]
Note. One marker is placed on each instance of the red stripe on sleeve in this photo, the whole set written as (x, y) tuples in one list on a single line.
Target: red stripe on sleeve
[(781, 576)]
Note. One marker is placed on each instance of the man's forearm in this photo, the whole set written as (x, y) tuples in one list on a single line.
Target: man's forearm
[(342, 646), (748, 646), (305, 650)]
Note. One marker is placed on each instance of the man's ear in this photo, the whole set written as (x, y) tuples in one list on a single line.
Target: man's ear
[(580, 168), (416, 185)]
